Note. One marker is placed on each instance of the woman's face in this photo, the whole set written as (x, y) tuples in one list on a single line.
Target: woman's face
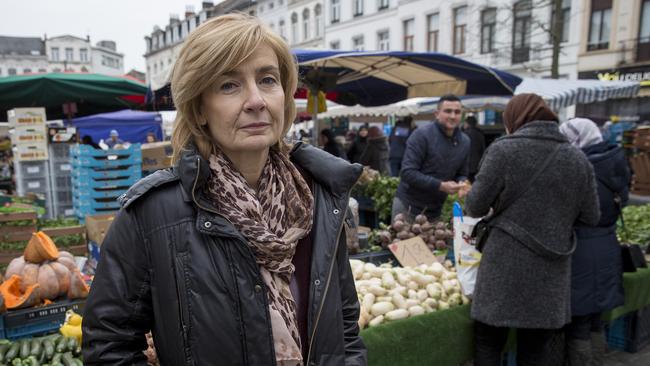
[(363, 132), (245, 107)]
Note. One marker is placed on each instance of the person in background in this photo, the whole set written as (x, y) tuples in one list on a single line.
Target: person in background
[(359, 145), (435, 163), (596, 265), (541, 186), (477, 144), (151, 137), (114, 139), (398, 136), (87, 140), (376, 153), (235, 256), (328, 141)]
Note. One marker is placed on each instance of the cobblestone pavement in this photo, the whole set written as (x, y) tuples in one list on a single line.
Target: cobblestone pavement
[(616, 358)]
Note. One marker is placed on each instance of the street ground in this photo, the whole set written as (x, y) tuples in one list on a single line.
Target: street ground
[(617, 358)]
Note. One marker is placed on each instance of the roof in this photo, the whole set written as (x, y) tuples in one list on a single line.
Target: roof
[(21, 46)]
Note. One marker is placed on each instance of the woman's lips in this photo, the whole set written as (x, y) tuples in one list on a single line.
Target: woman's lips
[(256, 126)]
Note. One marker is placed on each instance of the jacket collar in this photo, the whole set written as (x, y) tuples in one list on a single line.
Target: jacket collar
[(443, 131), (539, 130), (335, 174), (600, 151)]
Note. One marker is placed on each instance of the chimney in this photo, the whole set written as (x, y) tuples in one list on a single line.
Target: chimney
[(207, 5), (173, 19), (189, 11)]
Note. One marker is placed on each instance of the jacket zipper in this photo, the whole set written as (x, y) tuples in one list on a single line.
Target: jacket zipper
[(327, 285), (259, 275), (182, 304)]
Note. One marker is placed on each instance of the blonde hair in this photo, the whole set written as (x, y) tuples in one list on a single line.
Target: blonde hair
[(214, 48)]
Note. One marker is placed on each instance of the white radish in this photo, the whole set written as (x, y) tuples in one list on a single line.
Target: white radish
[(381, 308), (416, 310), (376, 321), (399, 301), (397, 314), (368, 300)]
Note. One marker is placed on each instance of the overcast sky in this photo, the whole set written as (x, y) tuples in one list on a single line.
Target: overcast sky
[(126, 22)]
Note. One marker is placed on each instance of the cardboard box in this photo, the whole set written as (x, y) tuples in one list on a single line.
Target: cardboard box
[(97, 226), (156, 155), (57, 135), (31, 152), (28, 134), (26, 116)]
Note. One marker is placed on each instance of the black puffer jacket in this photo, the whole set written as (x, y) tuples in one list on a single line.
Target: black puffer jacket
[(171, 265)]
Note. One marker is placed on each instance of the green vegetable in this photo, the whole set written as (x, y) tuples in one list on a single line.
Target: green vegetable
[(36, 347), (24, 348), (33, 361), (48, 348), (61, 345), (637, 225), (68, 359), (72, 344), (13, 351), (382, 191), (17, 362), (3, 349)]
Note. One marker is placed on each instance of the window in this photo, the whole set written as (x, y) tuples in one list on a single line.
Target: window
[(294, 28), (521, 31), (69, 54), (155, 68), (336, 11), (566, 20), (83, 55), (460, 25), (42, 71), (84, 69), (27, 71), (335, 45), (383, 41), (283, 32), (319, 19), (11, 71), (305, 24), (409, 32), (601, 13), (433, 25), (357, 43), (643, 48), (382, 4), (271, 5), (488, 29), (55, 54), (358, 8), (56, 69)]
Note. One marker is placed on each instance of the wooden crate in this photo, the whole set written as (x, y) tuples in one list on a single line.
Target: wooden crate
[(11, 233), (62, 231)]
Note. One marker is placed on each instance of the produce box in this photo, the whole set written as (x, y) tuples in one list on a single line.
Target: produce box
[(156, 155), (17, 226), (31, 152), (28, 134), (97, 226), (38, 320), (26, 116)]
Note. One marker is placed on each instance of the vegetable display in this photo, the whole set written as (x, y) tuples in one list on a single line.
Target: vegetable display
[(51, 350), (389, 293)]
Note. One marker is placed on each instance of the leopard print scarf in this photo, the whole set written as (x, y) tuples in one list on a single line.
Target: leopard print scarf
[(273, 220)]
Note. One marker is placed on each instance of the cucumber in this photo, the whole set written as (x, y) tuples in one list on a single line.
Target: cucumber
[(33, 361), (61, 345), (17, 362), (48, 349), (3, 350), (36, 347), (72, 344), (12, 352), (24, 348), (68, 360), (56, 358)]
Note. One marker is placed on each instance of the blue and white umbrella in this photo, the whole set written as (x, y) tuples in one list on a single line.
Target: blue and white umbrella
[(379, 78)]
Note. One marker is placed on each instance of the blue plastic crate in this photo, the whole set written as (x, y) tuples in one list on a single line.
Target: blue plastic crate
[(38, 321), (95, 204), (86, 194), (89, 161), (631, 332), (87, 150), (125, 172), (90, 183)]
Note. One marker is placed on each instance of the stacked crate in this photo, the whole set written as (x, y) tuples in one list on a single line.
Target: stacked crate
[(99, 177), (30, 154), (61, 179), (640, 161)]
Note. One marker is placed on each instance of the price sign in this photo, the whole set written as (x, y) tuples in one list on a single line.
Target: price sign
[(412, 252)]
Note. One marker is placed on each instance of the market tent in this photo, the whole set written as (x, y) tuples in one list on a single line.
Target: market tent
[(132, 126), (90, 92), (560, 93)]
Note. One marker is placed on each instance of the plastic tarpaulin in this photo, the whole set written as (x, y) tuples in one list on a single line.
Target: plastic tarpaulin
[(132, 126)]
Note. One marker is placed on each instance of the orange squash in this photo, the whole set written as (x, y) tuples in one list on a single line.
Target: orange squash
[(15, 298), (53, 277), (78, 288), (40, 248)]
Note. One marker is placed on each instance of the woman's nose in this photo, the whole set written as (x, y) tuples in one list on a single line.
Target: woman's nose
[(254, 99)]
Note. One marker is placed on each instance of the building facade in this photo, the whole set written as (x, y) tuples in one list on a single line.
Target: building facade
[(616, 46), (106, 60), (22, 55)]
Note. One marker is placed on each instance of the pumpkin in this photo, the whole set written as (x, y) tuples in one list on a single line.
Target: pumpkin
[(78, 288), (15, 298), (40, 248), (53, 277)]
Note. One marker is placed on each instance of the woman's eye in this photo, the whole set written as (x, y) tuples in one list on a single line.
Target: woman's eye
[(227, 86), (269, 80)]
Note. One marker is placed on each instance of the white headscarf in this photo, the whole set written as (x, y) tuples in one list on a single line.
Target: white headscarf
[(581, 132)]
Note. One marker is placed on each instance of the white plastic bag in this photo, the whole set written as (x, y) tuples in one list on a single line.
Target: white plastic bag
[(466, 256)]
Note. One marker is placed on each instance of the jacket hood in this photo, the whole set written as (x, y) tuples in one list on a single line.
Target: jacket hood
[(605, 157), (335, 174)]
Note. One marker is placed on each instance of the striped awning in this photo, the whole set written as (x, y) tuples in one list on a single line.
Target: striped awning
[(563, 93)]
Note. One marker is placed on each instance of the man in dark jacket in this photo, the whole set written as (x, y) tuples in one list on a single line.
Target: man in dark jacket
[(435, 163), (398, 137), (477, 145)]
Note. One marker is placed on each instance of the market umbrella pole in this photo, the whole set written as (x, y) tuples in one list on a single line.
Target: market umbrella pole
[(314, 117)]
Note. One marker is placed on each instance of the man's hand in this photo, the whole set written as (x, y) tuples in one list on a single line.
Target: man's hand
[(464, 190), (450, 187)]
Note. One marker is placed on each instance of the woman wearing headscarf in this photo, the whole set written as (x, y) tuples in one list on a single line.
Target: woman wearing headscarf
[(376, 153), (540, 187), (596, 265), (234, 256)]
